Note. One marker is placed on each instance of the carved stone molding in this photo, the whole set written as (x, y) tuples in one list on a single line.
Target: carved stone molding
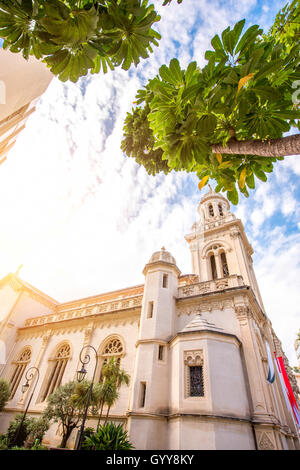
[(234, 233), (266, 441), (87, 334), (222, 284), (188, 290), (189, 310), (192, 309), (46, 338), (83, 311), (200, 288), (193, 358), (117, 319), (242, 312)]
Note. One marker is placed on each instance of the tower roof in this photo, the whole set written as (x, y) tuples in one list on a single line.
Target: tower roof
[(213, 195), (199, 323), (162, 255)]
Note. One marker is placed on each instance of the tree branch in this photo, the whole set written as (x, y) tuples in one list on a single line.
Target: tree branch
[(270, 148)]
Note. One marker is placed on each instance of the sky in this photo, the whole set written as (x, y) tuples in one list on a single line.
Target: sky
[(84, 219)]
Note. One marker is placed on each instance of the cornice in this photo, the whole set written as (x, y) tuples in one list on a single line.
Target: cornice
[(80, 324), (221, 228), (210, 416), (40, 411), (241, 298), (151, 340), (161, 264), (95, 310), (205, 332), (145, 414)]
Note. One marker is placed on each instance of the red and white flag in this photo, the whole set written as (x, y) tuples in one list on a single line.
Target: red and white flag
[(287, 389)]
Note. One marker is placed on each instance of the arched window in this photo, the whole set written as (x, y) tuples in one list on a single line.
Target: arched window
[(57, 369), (211, 210), (113, 347), (20, 366), (225, 269), (220, 209), (213, 267)]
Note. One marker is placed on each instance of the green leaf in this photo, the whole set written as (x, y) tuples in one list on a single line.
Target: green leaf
[(250, 34), (250, 181), (260, 175), (190, 93), (269, 68), (176, 71), (166, 75), (233, 196), (237, 31), (217, 43), (190, 73), (206, 124)]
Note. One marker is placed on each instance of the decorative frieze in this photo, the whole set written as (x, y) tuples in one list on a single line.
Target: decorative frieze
[(210, 286), (106, 307), (198, 307)]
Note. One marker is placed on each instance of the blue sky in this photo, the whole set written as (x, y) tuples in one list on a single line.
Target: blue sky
[(84, 219)]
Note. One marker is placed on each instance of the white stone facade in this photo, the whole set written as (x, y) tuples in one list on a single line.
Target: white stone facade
[(193, 345), (22, 82)]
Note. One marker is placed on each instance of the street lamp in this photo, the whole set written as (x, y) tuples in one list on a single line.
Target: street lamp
[(28, 376), (80, 376)]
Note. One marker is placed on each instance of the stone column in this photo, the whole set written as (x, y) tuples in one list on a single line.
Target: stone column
[(219, 266)]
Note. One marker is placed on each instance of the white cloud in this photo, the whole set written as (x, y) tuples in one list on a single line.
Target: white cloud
[(277, 267), (288, 204)]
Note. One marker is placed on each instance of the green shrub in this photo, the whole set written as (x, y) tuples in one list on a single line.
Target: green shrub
[(12, 431), (3, 442), (37, 428), (88, 432), (108, 437), (4, 393), (38, 446)]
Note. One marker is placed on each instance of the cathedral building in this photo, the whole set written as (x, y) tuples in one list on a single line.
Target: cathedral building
[(195, 346)]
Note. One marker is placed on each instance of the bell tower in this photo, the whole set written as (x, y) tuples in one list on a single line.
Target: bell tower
[(219, 246)]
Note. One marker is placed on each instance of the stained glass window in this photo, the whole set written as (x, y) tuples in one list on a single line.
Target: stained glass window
[(224, 265), (20, 366), (196, 381), (213, 267), (56, 372)]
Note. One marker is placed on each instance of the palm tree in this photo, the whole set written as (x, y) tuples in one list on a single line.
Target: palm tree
[(113, 377), (112, 397), (106, 395)]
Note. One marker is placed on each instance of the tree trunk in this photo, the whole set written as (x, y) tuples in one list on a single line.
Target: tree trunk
[(100, 415), (270, 148), (66, 437), (106, 418)]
